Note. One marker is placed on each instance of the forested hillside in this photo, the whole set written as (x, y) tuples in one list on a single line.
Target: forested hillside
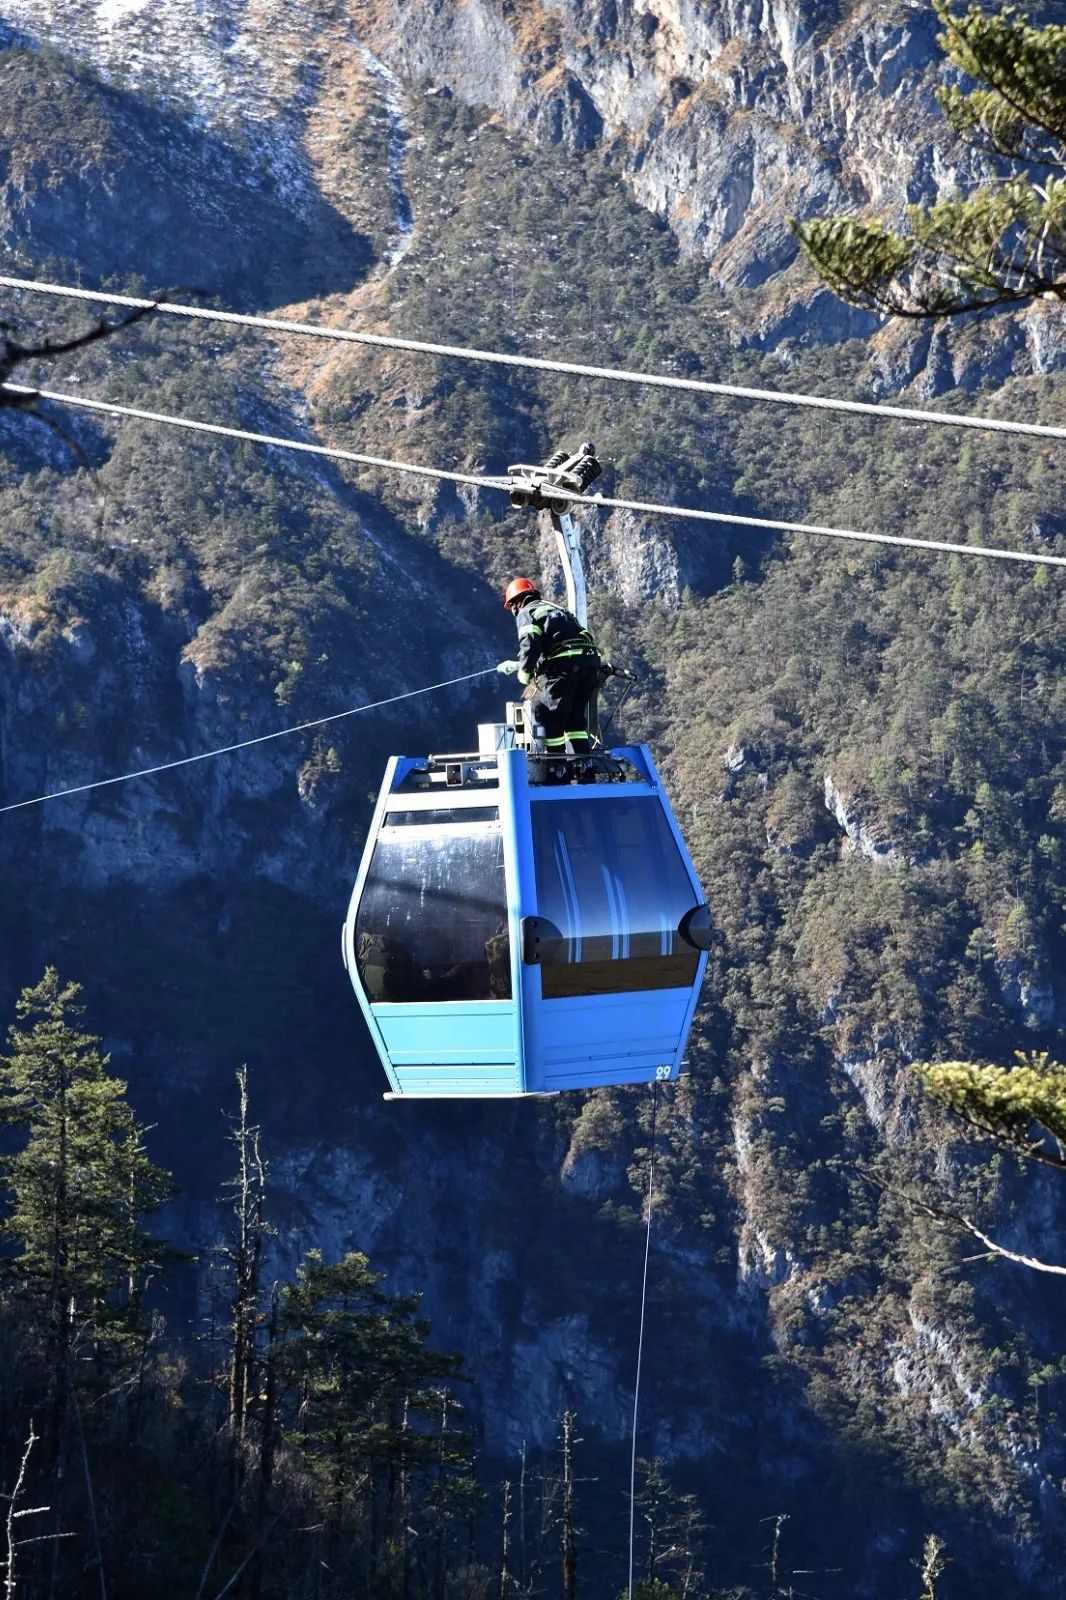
[(865, 748)]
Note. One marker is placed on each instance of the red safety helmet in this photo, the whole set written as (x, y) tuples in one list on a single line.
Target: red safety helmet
[(519, 588)]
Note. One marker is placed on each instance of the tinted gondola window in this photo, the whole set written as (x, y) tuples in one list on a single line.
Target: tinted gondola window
[(432, 918), (611, 878)]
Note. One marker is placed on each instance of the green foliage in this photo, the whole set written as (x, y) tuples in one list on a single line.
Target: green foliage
[(1025, 68), (927, 690), (348, 1429), (365, 1378), (81, 1184), (858, 260), (1005, 1102), (1005, 242)]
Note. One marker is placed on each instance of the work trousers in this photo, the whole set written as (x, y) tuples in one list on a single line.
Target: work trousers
[(563, 703)]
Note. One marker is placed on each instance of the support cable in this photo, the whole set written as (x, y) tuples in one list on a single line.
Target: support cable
[(242, 744), (640, 1340), (652, 380), (502, 485)]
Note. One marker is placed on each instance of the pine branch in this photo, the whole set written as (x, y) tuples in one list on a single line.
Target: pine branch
[(964, 38), (1005, 243), (1005, 1103)]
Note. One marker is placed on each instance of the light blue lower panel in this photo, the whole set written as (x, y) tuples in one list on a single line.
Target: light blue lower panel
[(615, 1038), (467, 1047), (458, 1082)]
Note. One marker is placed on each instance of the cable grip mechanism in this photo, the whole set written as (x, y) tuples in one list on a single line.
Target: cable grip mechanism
[(553, 487)]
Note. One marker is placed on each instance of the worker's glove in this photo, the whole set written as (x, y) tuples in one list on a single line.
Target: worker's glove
[(508, 668)]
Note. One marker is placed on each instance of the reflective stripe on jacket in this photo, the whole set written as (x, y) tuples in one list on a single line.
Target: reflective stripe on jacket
[(546, 633)]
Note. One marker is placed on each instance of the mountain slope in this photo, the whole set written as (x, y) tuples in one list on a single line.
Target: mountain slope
[(866, 749)]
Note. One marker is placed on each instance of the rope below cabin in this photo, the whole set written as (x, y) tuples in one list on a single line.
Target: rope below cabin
[(242, 744), (649, 1207)]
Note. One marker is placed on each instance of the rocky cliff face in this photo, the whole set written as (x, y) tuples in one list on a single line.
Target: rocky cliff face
[(725, 120)]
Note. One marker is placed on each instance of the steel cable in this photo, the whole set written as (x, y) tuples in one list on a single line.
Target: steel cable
[(653, 380), (242, 744), (501, 485)]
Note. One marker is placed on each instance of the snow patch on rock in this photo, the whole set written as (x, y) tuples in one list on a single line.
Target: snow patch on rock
[(394, 101)]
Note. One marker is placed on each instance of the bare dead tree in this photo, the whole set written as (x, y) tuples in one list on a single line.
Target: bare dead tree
[(523, 1566), (406, 1501), (569, 1529), (440, 1571), (13, 355), (505, 1541), (246, 1258), (15, 1512), (691, 1530), (773, 1565)]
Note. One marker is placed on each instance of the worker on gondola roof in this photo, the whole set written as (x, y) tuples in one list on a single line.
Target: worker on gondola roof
[(561, 657)]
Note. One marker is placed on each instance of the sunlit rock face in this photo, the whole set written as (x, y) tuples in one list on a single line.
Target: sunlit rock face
[(725, 119)]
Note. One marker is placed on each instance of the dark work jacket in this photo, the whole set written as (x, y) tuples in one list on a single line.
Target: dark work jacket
[(549, 634)]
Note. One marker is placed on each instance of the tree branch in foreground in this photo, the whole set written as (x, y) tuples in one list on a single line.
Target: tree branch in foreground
[(1002, 244), (14, 355), (956, 1219), (13, 1512), (1006, 1104)]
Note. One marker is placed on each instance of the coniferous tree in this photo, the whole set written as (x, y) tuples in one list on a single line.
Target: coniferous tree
[(933, 1565), (1021, 1110), (77, 1192), (673, 1528), (1006, 241), (358, 1371)]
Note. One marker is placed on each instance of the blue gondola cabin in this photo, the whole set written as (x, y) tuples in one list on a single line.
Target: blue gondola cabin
[(508, 936)]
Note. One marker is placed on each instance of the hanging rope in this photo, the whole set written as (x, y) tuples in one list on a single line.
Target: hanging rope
[(243, 744), (649, 1204), (651, 380), (503, 485)]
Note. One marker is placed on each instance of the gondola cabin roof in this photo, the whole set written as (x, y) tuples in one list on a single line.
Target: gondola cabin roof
[(508, 936)]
